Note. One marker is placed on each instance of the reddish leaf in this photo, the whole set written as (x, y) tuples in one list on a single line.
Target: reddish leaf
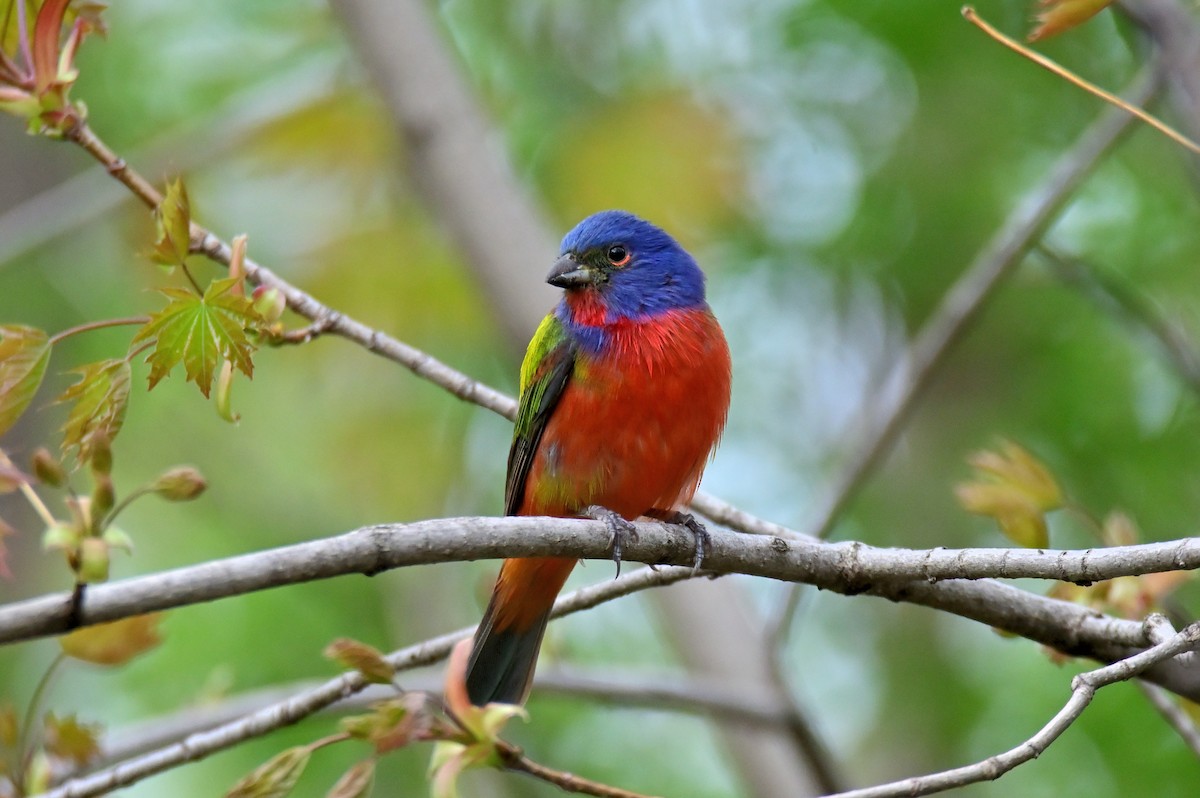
[(1057, 16), (24, 353), (275, 778), (199, 331), (100, 399), (46, 32), (395, 723), (355, 782), (361, 657), (116, 642)]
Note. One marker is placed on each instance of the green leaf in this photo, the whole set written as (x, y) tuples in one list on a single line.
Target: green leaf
[(100, 399), (275, 778), (172, 218), (24, 353), (355, 782), (199, 331)]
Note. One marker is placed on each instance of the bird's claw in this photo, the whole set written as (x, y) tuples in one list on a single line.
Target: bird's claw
[(622, 530), (700, 533)]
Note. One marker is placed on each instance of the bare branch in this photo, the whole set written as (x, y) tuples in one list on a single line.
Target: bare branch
[(1173, 714), (672, 692), (299, 706), (1133, 307), (850, 568), (1083, 689)]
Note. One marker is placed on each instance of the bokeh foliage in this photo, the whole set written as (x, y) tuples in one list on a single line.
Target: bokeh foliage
[(835, 164)]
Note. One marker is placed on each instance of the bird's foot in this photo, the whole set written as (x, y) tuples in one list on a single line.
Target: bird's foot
[(698, 530), (622, 530)]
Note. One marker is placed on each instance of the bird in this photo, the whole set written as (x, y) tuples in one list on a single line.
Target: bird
[(624, 394)]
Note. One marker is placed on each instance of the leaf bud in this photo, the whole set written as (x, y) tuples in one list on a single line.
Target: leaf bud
[(47, 468), (100, 455), (103, 498), (61, 536), (180, 484), (269, 302), (93, 561)]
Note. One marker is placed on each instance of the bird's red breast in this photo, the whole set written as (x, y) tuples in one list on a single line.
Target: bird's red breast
[(632, 432)]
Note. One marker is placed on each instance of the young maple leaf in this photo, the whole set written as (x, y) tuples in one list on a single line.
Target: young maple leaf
[(1013, 487), (24, 353), (355, 782), (276, 777), (476, 743), (172, 219), (101, 397), (367, 660), (200, 331)]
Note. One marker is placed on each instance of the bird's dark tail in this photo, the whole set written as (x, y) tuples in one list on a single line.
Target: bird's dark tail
[(505, 651)]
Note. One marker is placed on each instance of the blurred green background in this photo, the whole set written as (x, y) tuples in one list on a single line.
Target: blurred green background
[(834, 164)]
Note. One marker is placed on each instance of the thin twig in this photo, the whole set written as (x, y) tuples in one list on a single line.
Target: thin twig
[(301, 705), (671, 692), (1091, 88), (1173, 714), (512, 758), (1083, 690), (1134, 306), (205, 242), (907, 382)]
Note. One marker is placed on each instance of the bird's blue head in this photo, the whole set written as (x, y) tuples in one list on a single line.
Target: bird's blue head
[(615, 266)]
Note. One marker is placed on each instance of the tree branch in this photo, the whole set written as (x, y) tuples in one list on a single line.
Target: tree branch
[(1083, 689), (299, 706), (914, 576)]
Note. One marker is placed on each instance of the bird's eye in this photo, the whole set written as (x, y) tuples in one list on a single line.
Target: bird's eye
[(618, 255)]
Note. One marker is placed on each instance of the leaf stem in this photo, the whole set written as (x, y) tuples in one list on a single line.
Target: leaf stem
[(25, 740), (191, 279), (324, 741), (121, 505), (971, 16), (97, 325)]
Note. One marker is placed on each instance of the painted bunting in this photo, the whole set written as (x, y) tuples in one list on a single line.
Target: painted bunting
[(624, 393)]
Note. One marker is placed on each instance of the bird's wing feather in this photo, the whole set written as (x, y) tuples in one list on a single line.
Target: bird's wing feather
[(549, 363)]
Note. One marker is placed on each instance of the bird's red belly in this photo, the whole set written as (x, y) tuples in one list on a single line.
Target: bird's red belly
[(633, 430)]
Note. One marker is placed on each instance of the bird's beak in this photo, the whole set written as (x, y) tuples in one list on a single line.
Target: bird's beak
[(567, 273)]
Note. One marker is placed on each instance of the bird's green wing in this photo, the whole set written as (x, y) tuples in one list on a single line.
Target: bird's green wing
[(549, 363)]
